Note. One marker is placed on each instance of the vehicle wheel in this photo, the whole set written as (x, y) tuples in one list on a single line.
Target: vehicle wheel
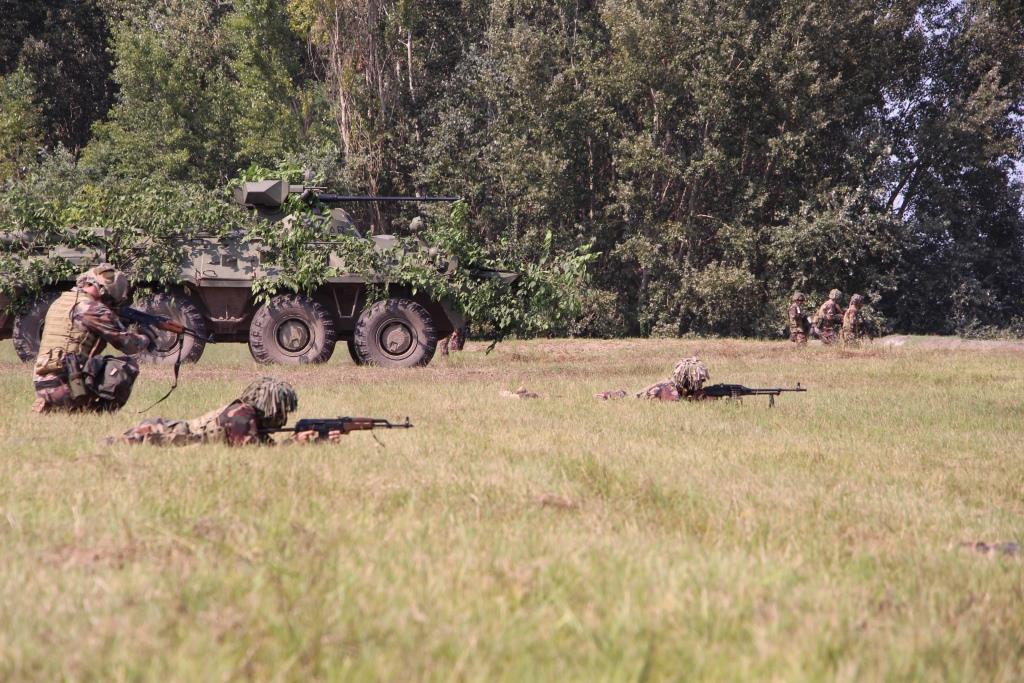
[(395, 333), (291, 329), (181, 309), (354, 353), (28, 326)]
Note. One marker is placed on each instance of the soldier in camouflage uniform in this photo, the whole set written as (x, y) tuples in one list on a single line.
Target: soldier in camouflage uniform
[(853, 324), (69, 373), (264, 404), (829, 316), (799, 325), (686, 382)]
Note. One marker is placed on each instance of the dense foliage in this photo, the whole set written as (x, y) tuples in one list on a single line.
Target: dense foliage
[(697, 161)]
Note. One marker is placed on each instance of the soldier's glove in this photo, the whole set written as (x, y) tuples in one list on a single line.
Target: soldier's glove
[(151, 334), (309, 436)]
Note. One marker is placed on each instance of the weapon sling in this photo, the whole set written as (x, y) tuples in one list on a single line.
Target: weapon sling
[(177, 369)]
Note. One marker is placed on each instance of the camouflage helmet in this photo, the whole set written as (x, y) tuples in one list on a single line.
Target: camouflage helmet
[(856, 299), (689, 375), (835, 295), (111, 282), (273, 398), (799, 296)]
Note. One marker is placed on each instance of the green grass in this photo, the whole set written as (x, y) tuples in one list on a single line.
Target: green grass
[(818, 539)]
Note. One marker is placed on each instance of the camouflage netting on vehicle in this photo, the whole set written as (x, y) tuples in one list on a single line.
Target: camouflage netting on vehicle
[(272, 397), (690, 374)]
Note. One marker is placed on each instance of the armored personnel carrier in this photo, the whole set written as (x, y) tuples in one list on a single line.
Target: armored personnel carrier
[(214, 296)]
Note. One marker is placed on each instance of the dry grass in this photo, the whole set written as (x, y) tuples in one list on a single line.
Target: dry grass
[(556, 538)]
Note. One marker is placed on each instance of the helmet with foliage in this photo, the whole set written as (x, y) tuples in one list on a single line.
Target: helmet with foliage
[(689, 375), (835, 295), (111, 283), (799, 296), (273, 398), (856, 299)]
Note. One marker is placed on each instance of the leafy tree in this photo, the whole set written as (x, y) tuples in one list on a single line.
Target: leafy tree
[(62, 44), (20, 124)]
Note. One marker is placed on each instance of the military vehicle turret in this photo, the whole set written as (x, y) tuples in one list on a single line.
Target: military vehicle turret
[(214, 296)]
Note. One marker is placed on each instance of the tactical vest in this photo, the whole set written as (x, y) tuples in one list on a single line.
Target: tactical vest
[(61, 336), (207, 428)]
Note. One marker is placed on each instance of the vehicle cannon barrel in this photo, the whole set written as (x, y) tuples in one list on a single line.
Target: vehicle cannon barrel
[(274, 193)]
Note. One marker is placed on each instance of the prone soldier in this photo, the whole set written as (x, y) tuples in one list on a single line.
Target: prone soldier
[(799, 325), (69, 373), (829, 316), (263, 405), (686, 382)]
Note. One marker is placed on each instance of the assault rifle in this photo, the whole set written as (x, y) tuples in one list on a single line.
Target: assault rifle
[(158, 322), (739, 391), (161, 322), (323, 426)]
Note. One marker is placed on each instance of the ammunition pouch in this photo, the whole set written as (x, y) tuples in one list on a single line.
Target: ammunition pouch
[(77, 379), (111, 378)]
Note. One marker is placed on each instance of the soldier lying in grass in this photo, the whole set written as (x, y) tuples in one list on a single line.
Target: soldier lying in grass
[(686, 382), (264, 405)]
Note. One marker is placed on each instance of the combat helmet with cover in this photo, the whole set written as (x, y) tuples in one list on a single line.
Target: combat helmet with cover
[(111, 283), (857, 299), (689, 375), (798, 297), (835, 295), (273, 398)]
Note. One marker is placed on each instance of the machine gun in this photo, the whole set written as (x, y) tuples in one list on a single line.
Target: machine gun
[(739, 391), (323, 426), (158, 322)]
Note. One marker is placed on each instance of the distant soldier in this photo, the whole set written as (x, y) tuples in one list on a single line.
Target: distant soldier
[(264, 404), (853, 323), (829, 317), (686, 382), (69, 373), (456, 341), (799, 325)]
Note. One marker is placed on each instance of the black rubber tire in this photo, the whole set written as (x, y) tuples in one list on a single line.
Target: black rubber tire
[(181, 309), (354, 352), (395, 333), (291, 329), (28, 326)]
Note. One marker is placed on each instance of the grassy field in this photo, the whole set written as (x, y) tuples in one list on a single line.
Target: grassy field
[(562, 538)]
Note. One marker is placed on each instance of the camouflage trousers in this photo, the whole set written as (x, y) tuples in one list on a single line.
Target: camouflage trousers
[(664, 390), (161, 432), (826, 334), (53, 394), (455, 341), (798, 336)]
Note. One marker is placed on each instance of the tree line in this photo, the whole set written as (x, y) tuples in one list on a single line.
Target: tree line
[(716, 154)]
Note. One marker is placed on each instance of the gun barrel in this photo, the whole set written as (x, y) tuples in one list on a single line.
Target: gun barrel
[(329, 198), (775, 390)]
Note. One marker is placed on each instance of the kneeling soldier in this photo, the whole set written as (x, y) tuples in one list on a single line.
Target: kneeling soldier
[(263, 405), (69, 373)]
